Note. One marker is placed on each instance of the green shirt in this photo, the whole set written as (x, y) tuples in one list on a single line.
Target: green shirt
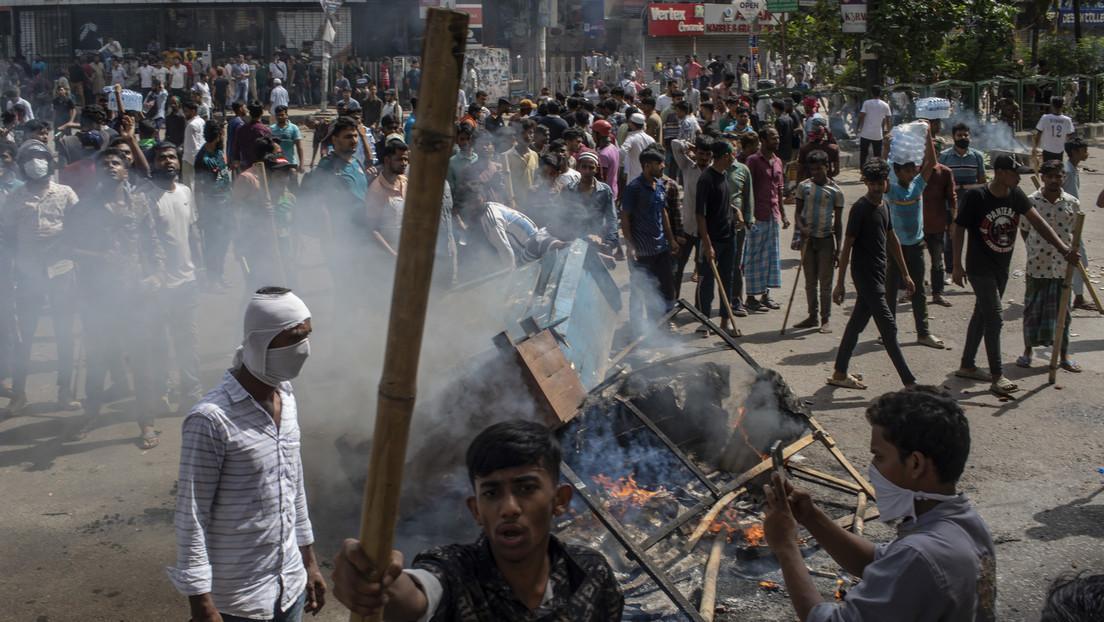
[(739, 182)]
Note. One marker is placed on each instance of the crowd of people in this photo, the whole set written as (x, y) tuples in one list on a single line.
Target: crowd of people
[(127, 215)]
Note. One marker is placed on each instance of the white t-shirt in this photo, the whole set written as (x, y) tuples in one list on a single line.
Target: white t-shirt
[(177, 75), (1055, 128), (146, 76), (173, 215), (161, 74), (876, 112), (278, 97), (193, 138)]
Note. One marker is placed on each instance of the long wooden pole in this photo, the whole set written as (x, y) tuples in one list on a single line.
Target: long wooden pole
[(793, 292), (709, 588), (443, 59), (272, 224), (725, 303), (1064, 298)]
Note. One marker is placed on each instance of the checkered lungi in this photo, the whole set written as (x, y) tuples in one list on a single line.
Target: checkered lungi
[(1040, 318), (761, 265)]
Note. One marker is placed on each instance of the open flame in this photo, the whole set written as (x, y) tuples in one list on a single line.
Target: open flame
[(770, 585), (840, 592), (729, 525), (747, 441), (626, 492)]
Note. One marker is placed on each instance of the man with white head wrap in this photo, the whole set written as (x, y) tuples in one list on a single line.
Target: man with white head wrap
[(242, 529)]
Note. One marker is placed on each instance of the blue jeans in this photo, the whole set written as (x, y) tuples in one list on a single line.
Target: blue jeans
[(294, 613), (241, 93)]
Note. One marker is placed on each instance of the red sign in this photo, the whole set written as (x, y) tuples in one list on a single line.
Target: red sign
[(676, 19)]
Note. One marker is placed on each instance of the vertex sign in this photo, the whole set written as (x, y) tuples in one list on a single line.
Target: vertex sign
[(676, 19)]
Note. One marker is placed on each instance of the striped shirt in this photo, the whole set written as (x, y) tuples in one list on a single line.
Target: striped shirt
[(241, 509), (645, 206), (965, 168), (818, 205)]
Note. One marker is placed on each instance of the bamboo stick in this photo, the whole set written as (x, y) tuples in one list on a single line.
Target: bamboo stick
[(860, 514), (272, 223), (793, 292), (724, 298), (443, 58), (709, 588), (707, 520), (1064, 298), (1089, 286)]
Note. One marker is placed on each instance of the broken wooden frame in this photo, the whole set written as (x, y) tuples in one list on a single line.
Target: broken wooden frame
[(717, 496)]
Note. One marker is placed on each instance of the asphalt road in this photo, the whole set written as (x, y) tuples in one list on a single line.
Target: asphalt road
[(88, 524)]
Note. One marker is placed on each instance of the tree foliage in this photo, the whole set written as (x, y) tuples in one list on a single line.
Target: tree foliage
[(908, 35), (817, 33), (984, 48), (1063, 56)]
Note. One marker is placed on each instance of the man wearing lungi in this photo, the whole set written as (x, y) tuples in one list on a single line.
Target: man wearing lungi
[(762, 269)]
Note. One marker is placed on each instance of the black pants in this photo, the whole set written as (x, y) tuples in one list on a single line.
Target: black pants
[(936, 246), (1051, 155), (818, 267), (31, 295), (213, 218), (914, 261), (864, 147), (871, 303), (725, 251), (681, 259), (652, 289), (986, 322)]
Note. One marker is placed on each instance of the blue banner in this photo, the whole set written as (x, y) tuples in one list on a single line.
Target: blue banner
[(1089, 16), (594, 18)]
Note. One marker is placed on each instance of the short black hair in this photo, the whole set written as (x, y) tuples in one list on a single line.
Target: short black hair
[(708, 106), (163, 146), (212, 128), (1074, 598), (876, 90), (703, 143), (112, 152), (928, 420), (256, 109), (778, 105), (683, 106), (35, 125), (512, 444), (343, 123), (652, 153), (572, 133), (959, 127), (273, 290), (1074, 144), (720, 148), (264, 145), (191, 104), (388, 119), (875, 169), (392, 147), (816, 156), (465, 128), (1051, 166), (279, 109), (1058, 102)]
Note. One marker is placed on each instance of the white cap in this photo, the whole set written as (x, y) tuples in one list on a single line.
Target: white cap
[(277, 81), (637, 118)]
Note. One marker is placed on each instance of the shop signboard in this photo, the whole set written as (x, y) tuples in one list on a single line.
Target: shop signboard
[(676, 19)]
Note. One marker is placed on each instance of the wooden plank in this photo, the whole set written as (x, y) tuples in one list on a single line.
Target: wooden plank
[(826, 440), (826, 477)]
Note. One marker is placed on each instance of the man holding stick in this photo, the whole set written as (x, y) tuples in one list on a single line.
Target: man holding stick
[(717, 228), (941, 566), (516, 570), (251, 558)]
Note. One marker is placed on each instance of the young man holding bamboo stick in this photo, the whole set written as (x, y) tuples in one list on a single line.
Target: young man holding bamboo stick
[(516, 570)]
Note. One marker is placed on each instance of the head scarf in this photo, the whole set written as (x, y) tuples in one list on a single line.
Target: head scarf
[(267, 316)]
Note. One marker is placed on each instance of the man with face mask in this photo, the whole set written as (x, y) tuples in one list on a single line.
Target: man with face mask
[(941, 566), (30, 226), (251, 558)]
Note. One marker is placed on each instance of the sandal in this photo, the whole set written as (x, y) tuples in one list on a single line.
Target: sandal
[(975, 374), (150, 439), (1085, 305), (1071, 366), (1003, 386), (943, 302), (850, 382), (932, 342), (825, 329), (809, 322), (1023, 361)]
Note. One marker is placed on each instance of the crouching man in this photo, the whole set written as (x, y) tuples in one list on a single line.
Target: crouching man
[(516, 570), (940, 566)]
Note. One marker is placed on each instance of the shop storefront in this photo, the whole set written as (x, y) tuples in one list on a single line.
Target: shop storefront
[(675, 30)]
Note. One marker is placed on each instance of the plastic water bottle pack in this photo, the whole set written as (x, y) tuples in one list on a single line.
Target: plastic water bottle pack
[(909, 143)]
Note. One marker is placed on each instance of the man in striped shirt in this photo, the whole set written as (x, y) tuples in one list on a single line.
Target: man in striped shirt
[(817, 215), (242, 529)]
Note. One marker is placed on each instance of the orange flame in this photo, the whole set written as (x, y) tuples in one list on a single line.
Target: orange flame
[(839, 590), (626, 492), (754, 536), (731, 526), (747, 441), (770, 585)]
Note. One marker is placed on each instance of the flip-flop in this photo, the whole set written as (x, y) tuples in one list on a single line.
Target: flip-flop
[(149, 440), (851, 382), (932, 342), (1023, 361), (976, 374), (825, 329), (1003, 386), (1071, 366)]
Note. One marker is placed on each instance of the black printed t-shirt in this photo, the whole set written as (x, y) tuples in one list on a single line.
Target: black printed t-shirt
[(991, 224), (583, 586), (869, 224)]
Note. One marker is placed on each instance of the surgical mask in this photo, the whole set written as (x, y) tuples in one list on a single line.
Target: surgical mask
[(36, 168), (285, 363), (962, 143), (896, 502)]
